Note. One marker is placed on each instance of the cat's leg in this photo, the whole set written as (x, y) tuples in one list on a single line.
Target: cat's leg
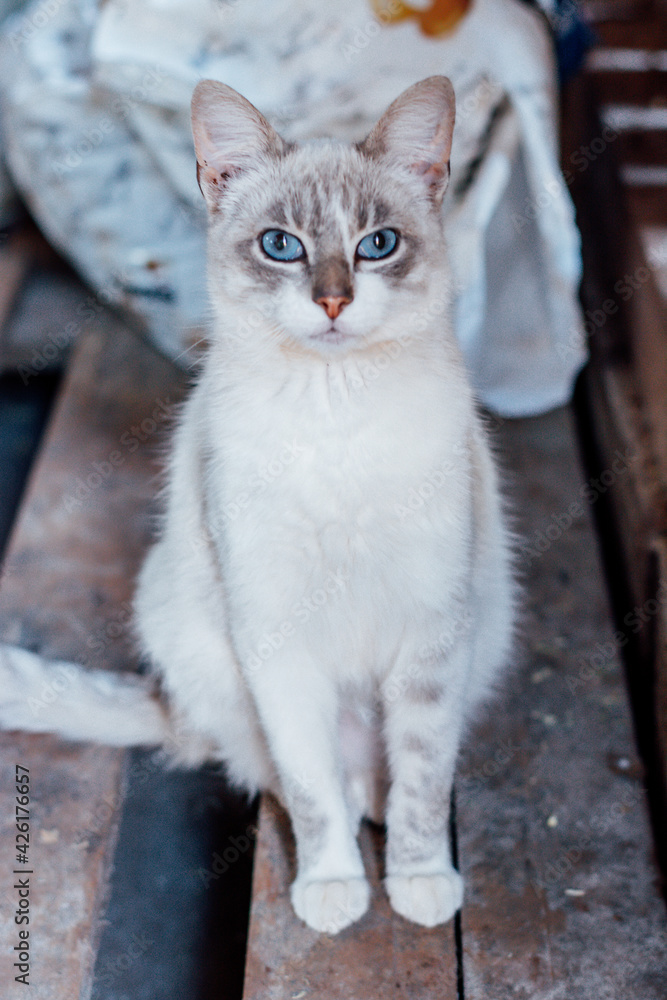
[(297, 706), (422, 728), (362, 744), (182, 633)]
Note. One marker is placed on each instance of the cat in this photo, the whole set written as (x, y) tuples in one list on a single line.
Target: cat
[(330, 640)]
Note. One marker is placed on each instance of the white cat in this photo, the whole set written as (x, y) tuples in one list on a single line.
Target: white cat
[(332, 592)]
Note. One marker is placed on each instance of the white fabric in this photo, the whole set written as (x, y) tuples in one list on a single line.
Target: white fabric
[(97, 136)]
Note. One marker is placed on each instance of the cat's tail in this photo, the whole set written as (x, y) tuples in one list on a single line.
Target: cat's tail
[(51, 696)]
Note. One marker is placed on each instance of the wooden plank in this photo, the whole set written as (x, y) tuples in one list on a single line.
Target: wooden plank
[(641, 29), (648, 322), (639, 87), (618, 277), (381, 956), (638, 497), (552, 829), (75, 795), (639, 509), (65, 589), (648, 205)]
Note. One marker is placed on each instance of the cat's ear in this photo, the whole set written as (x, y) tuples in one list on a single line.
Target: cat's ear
[(416, 131), (230, 134)]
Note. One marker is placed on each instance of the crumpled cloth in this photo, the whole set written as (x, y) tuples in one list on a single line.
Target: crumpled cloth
[(96, 135)]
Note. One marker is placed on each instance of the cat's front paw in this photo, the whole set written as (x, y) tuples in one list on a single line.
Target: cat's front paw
[(426, 899), (329, 906)]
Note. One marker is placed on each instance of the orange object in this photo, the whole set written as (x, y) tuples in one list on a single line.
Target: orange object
[(438, 19)]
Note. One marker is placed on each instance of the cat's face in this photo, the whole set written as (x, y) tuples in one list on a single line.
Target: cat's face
[(323, 247)]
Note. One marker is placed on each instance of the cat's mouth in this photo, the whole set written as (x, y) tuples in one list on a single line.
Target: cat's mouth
[(331, 335)]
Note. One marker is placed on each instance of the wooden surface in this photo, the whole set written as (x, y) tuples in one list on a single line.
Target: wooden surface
[(65, 589), (552, 824), (644, 28), (381, 956), (552, 831), (648, 205)]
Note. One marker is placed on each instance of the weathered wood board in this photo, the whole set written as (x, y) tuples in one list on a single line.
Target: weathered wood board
[(382, 956), (65, 589), (552, 825)]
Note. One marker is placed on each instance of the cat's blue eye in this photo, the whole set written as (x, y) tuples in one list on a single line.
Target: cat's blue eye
[(377, 245), (282, 246)]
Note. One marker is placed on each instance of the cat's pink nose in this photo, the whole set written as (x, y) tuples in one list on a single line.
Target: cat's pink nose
[(333, 305)]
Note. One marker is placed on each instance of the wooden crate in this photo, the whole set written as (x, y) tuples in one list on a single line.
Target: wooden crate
[(625, 385)]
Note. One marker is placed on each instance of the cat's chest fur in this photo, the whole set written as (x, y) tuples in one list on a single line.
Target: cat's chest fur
[(353, 488), (318, 446)]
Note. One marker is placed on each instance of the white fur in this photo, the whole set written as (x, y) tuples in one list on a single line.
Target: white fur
[(41, 695), (332, 592)]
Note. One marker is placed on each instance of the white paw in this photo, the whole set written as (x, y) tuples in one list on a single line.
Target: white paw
[(426, 899), (330, 906)]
